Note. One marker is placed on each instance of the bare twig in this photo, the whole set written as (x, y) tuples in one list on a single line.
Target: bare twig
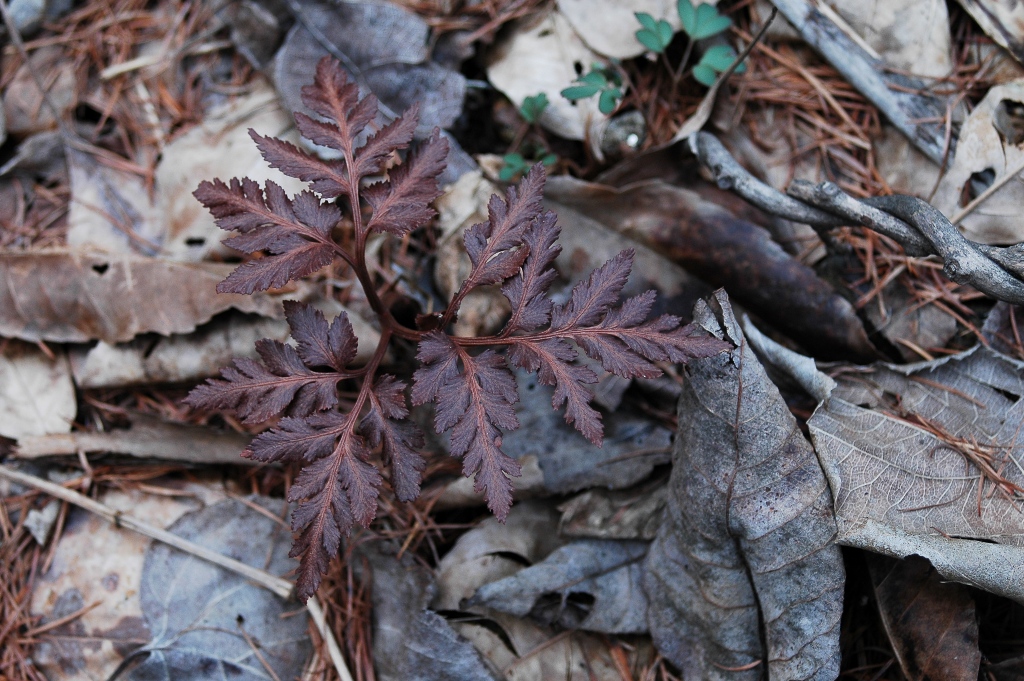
[(918, 226)]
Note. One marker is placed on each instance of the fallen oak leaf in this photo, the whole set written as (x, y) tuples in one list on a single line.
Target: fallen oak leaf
[(901, 489), (746, 553)]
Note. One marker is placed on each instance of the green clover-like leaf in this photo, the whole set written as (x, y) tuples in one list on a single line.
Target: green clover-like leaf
[(532, 107), (702, 22), (656, 34), (515, 164), (704, 74), (608, 100), (589, 85), (718, 57), (549, 160)]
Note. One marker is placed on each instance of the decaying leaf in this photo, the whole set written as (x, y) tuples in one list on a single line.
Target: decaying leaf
[(926, 459), (411, 642), (96, 562), (1001, 20), (609, 27), (208, 622), (990, 146), (711, 243), (634, 513), (24, 110), (930, 622), (909, 35), (746, 552), (1004, 329), (912, 326), (68, 296), (148, 437), (592, 584), (37, 396), (522, 649)]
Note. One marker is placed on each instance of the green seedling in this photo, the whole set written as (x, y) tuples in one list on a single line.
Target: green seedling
[(656, 34), (713, 62), (533, 107), (602, 81), (702, 21), (516, 164)]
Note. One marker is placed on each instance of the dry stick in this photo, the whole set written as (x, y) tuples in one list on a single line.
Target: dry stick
[(281, 587), (916, 225)]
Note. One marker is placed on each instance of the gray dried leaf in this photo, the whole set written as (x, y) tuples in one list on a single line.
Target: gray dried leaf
[(746, 552), (68, 296), (592, 584), (901, 446), (634, 513), (633, 445), (386, 48), (410, 642), (207, 622)]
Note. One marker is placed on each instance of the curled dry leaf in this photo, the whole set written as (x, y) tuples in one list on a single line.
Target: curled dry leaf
[(930, 622), (592, 584), (68, 296), (633, 513), (401, 590), (989, 148), (712, 243), (927, 459), (746, 552)]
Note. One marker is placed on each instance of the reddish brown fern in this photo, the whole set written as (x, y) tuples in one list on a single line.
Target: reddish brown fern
[(469, 382)]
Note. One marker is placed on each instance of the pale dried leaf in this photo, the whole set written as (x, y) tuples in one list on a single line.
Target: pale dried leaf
[(197, 611), (634, 513), (749, 529), (903, 487), (592, 584), (989, 147), (37, 396), (68, 296)]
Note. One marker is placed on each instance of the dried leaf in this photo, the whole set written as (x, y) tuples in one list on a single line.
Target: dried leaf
[(74, 297), (207, 621), (903, 448), (725, 251), (609, 27), (746, 553), (634, 513), (148, 437), (591, 584), (37, 396), (987, 150), (410, 641), (931, 623)]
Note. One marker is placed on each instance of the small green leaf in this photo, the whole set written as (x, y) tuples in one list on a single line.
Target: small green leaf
[(575, 92), (608, 100), (595, 77), (650, 40), (514, 165), (687, 15), (647, 21), (549, 159), (666, 31), (718, 57), (533, 107), (704, 74), (708, 22)]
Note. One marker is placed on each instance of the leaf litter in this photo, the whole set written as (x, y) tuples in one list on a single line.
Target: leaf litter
[(151, 99)]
